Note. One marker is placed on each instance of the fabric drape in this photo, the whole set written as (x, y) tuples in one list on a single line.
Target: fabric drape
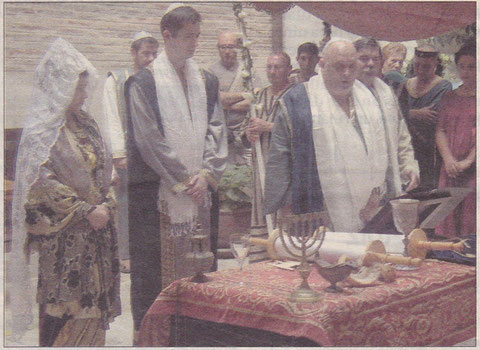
[(390, 21)]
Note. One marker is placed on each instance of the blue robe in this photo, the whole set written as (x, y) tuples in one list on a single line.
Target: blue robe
[(291, 172)]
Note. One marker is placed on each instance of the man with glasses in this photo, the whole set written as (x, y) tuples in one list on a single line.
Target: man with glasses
[(235, 102)]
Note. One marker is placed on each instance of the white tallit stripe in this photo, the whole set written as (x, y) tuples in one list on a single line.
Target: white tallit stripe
[(184, 131), (347, 172), (391, 115)]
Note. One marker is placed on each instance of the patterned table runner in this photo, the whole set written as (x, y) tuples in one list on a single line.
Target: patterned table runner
[(432, 306)]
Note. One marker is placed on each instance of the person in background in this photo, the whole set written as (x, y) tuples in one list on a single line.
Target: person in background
[(143, 51), (259, 129), (419, 101), (328, 148), (236, 103), (456, 141), (393, 55), (307, 58), (402, 166), (64, 207), (177, 149)]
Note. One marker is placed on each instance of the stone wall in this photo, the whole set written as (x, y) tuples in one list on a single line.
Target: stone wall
[(102, 32)]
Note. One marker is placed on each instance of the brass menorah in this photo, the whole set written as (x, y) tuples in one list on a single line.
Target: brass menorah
[(302, 236)]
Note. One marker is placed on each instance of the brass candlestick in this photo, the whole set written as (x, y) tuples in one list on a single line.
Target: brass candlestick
[(200, 257), (302, 233)]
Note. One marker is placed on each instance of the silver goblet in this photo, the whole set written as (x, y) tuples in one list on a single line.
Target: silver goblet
[(405, 218)]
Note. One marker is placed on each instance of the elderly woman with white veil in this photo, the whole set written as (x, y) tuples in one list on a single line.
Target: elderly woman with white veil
[(62, 209)]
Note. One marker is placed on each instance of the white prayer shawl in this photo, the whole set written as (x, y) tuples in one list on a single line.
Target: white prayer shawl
[(185, 133), (347, 172), (391, 117)]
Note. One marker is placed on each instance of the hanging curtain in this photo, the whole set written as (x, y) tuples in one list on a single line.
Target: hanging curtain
[(390, 21)]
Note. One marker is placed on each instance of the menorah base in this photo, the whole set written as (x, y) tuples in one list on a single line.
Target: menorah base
[(304, 295)]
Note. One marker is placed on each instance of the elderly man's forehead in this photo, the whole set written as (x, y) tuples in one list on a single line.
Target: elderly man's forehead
[(277, 60), (342, 58), (339, 48), (227, 37)]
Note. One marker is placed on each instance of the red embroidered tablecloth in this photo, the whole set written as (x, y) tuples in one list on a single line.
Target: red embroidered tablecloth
[(435, 305)]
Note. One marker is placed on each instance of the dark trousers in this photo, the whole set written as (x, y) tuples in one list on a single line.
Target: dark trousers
[(144, 246)]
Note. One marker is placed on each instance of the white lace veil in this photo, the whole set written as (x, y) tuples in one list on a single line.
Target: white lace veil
[(54, 85)]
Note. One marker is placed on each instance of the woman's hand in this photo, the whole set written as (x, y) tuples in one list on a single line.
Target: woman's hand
[(463, 165), (99, 217), (452, 167), (427, 114)]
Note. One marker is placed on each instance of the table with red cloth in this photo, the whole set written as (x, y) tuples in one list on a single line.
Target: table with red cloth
[(432, 306)]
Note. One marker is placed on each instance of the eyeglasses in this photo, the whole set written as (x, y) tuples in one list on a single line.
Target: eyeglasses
[(227, 47)]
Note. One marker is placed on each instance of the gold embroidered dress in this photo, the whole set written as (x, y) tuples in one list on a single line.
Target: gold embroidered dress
[(63, 171), (78, 267)]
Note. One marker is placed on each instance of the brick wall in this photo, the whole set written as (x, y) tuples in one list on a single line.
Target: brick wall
[(102, 32)]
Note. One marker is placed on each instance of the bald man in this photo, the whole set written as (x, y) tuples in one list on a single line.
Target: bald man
[(234, 101), (328, 149)]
